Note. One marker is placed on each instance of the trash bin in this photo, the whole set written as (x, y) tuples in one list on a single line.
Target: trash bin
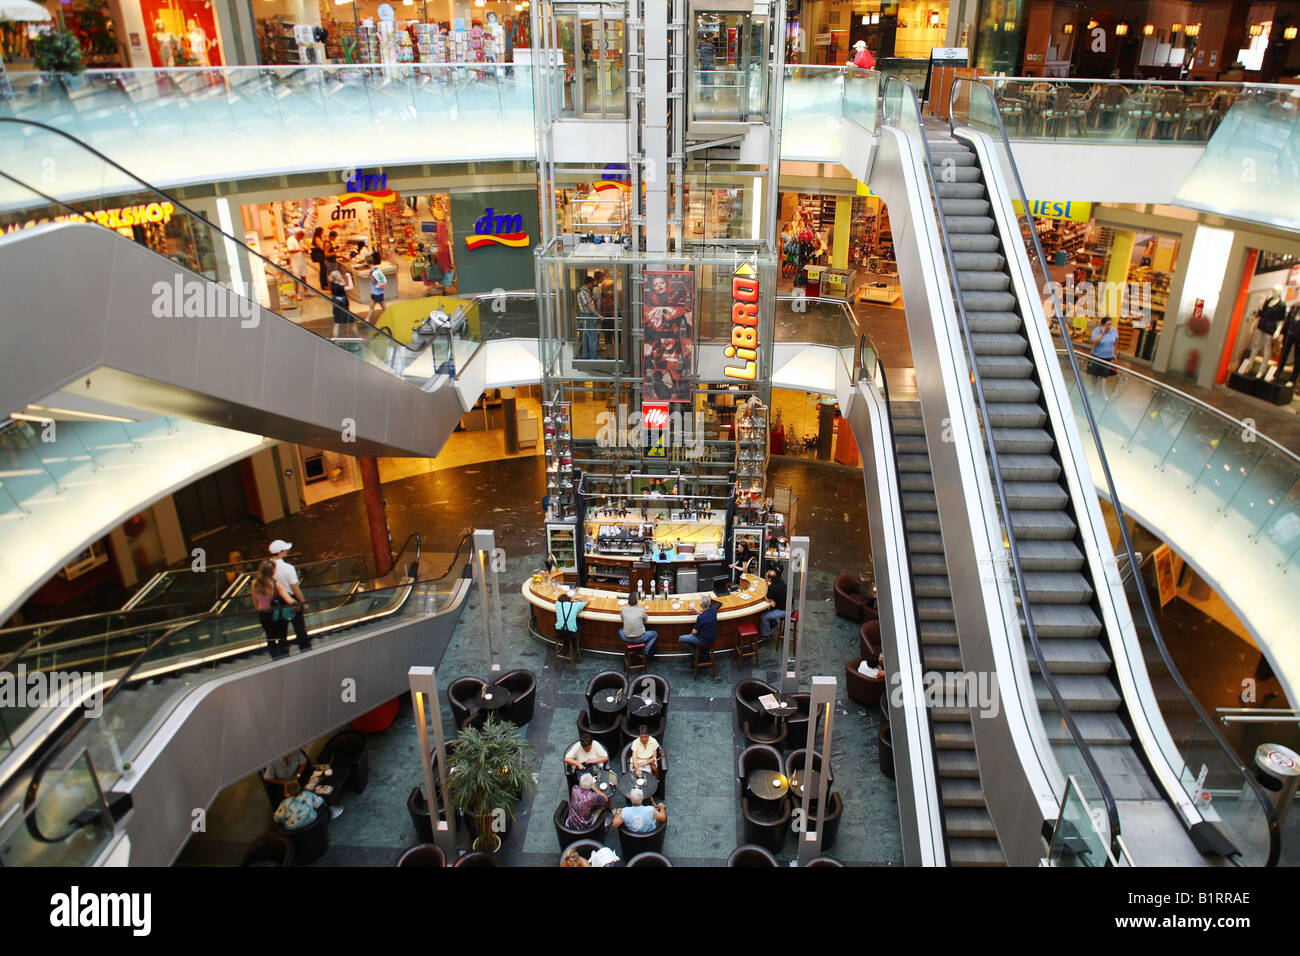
[(813, 287)]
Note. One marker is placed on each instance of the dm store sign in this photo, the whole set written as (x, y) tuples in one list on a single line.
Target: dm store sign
[(492, 228)]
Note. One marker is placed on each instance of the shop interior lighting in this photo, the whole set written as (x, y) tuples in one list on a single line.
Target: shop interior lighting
[(1176, 28), (1092, 24), (1067, 29), (1121, 29), (1256, 29), (1009, 25), (1193, 29), (1149, 30), (934, 18), (1289, 33)]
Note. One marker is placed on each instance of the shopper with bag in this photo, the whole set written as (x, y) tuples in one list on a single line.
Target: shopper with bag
[(265, 589), (290, 604), (339, 284), (318, 256), (377, 282)]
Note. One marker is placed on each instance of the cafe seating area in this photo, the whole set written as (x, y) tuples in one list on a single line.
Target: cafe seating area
[(1112, 111)]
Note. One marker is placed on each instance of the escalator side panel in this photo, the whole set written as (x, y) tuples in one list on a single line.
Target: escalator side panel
[(262, 375), (228, 728), (1010, 744)]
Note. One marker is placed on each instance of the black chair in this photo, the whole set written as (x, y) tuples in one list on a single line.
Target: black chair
[(585, 849), (346, 753), (477, 858), (766, 823), (830, 821), (567, 834), (746, 696), (663, 690), (426, 854), (631, 724), (757, 757), (460, 695), (823, 861), (610, 734), (797, 723), (633, 844), (774, 735), (649, 859), (661, 765), (522, 685), (270, 849), (751, 856), (309, 842), (606, 681)]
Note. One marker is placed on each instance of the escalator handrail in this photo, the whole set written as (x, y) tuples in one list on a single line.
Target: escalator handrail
[(1108, 799), (124, 680), (199, 217), (1121, 518), (1201, 404), (210, 608), (863, 341)]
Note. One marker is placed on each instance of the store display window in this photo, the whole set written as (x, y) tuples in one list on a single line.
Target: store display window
[(423, 32), (1264, 360), (182, 33), (807, 246)]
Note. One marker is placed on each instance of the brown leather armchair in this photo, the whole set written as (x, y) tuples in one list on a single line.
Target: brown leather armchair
[(851, 600), (869, 646), (863, 689)]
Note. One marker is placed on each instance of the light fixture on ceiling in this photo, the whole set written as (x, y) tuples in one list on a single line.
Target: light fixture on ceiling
[(1176, 28), (1149, 30), (1256, 29), (1121, 29), (1067, 29), (934, 18), (1009, 25), (1289, 33), (1092, 24), (1193, 29)]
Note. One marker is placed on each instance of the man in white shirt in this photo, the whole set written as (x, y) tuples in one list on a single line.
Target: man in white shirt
[(297, 249), (587, 752), (287, 575)]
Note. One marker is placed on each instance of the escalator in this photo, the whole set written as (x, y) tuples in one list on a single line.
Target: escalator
[(198, 703), (1012, 562), (175, 321)]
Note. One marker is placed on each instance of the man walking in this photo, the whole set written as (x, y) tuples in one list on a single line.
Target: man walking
[(287, 575)]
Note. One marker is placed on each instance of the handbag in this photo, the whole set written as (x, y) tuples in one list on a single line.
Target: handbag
[(317, 255), (282, 612)]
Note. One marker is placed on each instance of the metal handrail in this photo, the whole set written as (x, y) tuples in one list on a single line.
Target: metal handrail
[(861, 372), (197, 216), (1193, 400), (124, 680), (1108, 799), (1120, 516)]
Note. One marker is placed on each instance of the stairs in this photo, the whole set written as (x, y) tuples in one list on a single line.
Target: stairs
[(1058, 582), (971, 839)]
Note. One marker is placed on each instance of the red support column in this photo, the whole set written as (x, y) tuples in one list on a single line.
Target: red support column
[(380, 538)]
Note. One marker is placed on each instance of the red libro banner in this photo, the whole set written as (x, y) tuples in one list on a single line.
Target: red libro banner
[(668, 327)]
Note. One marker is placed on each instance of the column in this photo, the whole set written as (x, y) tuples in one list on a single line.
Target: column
[(840, 238), (511, 422), (380, 538), (1121, 254)]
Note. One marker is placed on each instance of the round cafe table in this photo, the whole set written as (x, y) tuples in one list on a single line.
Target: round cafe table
[(801, 778), (492, 697), (637, 707), (786, 707), (608, 700), (768, 784), (648, 783)]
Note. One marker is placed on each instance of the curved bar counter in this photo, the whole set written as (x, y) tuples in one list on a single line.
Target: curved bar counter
[(601, 619)]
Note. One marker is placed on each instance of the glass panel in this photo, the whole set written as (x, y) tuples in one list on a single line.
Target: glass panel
[(69, 825), (1079, 836), (729, 78)]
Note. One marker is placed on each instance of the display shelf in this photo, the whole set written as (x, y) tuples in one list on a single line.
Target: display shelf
[(561, 543), (751, 454), (557, 432)]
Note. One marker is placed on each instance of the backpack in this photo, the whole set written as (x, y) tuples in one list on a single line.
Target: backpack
[(378, 278)]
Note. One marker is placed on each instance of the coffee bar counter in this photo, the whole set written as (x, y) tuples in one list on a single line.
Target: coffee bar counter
[(672, 617)]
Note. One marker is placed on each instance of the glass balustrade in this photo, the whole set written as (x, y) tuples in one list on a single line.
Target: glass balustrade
[(69, 825)]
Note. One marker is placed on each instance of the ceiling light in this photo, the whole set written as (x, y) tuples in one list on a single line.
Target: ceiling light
[(1193, 29), (1149, 29), (1121, 29), (1092, 24), (1176, 28), (1289, 33), (1068, 29), (1256, 29), (934, 18), (1010, 25)]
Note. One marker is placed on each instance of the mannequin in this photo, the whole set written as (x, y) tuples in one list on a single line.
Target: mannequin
[(166, 44), (1290, 343), (1270, 315), (199, 43)]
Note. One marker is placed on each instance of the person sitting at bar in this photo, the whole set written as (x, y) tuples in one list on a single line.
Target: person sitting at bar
[(634, 630), (776, 602), (645, 752), (640, 817), (584, 802), (587, 752), (705, 631), (567, 610)]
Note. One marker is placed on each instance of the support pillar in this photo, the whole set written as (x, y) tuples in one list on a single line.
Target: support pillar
[(511, 420), (1121, 254), (381, 539), (840, 237)]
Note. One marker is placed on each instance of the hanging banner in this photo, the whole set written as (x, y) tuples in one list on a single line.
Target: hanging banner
[(1163, 558), (668, 335), (744, 325)]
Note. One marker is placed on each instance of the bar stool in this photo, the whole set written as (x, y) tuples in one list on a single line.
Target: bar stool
[(633, 656), (566, 641), (747, 641), (701, 657)]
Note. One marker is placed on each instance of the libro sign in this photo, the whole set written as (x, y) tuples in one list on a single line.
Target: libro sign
[(503, 230), (744, 325)]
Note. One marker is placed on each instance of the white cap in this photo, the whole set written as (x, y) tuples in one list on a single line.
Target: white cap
[(279, 545), (860, 45)]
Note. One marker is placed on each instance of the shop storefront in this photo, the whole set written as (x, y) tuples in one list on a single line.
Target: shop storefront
[(182, 32), (824, 31), (1261, 353), (839, 247)]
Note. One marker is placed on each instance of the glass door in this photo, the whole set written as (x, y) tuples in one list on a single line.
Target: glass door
[(597, 85)]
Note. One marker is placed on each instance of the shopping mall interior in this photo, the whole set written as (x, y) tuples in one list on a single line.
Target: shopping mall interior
[(544, 399)]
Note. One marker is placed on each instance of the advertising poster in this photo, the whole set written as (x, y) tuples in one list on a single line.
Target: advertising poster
[(668, 327), (1164, 562)]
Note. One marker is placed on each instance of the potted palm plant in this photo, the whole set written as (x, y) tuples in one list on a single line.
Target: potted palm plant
[(489, 776)]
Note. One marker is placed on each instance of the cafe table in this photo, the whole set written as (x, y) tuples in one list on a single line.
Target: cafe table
[(608, 700), (646, 780), (800, 778), (492, 697), (768, 784)]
